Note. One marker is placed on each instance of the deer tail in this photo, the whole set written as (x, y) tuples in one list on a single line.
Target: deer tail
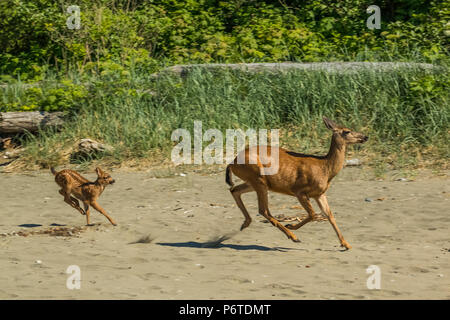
[(228, 177)]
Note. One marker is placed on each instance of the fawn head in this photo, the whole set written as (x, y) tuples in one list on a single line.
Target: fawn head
[(344, 135), (103, 177)]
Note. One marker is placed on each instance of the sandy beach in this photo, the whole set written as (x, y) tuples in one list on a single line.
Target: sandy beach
[(168, 242)]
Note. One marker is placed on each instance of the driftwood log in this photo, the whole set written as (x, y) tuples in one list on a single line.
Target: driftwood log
[(338, 67), (18, 122)]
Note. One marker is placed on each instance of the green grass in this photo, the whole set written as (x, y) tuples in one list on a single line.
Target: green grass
[(405, 112)]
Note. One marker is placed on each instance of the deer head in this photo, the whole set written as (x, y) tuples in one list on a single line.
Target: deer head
[(344, 135), (103, 177)]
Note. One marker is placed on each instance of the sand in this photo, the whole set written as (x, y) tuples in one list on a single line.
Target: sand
[(168, 244)]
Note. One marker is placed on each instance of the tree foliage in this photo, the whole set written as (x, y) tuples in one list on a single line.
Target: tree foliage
[(34, 35)]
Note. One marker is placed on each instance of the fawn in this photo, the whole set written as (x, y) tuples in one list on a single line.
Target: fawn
[(72, 183), (300, 175)]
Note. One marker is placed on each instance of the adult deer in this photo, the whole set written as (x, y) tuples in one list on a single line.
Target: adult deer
[(300, 175)]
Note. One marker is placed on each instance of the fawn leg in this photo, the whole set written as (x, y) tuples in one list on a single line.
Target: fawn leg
[(236, 192), (95, 205), (86, 209), (323, 204), (304, 201), (263, 208), (71, 200)]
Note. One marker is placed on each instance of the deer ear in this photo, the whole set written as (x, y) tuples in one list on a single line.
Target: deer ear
[(330, 124), (98, 171)]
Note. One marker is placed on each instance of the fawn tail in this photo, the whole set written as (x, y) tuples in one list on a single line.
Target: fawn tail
[(53, 171)]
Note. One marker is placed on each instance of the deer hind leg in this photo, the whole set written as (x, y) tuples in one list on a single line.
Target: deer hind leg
[(263, 207), (236, 192), (323, 204), (304, 201), (73, 202), (95, 205)]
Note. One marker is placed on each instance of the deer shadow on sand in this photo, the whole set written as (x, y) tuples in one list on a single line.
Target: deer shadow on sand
[(217, 243)]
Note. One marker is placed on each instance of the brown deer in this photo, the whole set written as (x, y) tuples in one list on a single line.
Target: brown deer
[(72, 183), (300, 175)]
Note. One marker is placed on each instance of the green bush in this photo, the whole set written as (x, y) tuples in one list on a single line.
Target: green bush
[(54, 96)]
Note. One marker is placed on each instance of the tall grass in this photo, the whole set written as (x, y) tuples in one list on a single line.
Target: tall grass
[(401, 110)]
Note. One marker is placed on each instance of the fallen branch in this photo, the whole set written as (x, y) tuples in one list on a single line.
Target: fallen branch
[(19, 122)]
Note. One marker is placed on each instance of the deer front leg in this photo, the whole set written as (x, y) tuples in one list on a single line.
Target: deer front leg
[(86, 209), (323, 205), (96, 206)]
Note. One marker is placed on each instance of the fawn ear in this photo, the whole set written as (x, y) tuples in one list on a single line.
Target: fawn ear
[(330, 124), (98, 171)]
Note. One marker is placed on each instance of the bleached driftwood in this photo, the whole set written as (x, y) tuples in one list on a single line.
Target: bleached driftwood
[(338, 67), (18, 122)]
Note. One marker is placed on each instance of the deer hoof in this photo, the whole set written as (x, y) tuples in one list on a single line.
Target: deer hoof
[(295, 239), (346, 245), (245, 225)]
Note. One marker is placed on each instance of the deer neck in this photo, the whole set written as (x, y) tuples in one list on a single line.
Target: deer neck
[(100, 187), (335, 157)]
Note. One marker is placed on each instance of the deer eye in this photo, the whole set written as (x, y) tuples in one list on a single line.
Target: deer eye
[(346, 132)]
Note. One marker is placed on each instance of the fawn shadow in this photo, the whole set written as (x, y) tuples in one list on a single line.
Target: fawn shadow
[(29, 225), (35, 225)]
